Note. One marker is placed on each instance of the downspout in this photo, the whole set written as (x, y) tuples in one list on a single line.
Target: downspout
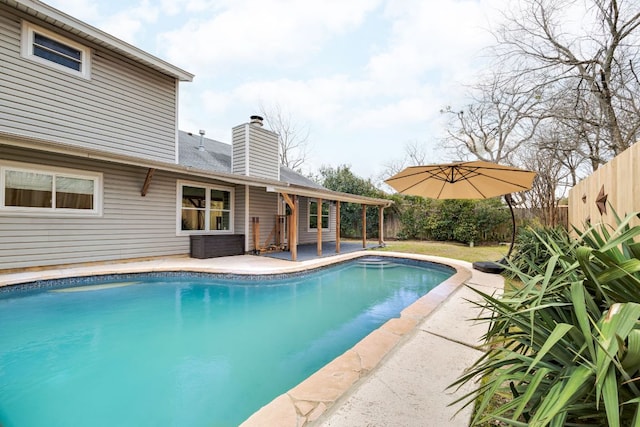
[(247, 144), (246, 218)]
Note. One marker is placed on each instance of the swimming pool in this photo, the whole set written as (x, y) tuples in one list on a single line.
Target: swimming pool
[(186, 349)]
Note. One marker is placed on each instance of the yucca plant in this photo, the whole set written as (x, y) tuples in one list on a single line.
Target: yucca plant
[(534, 246), (566, 345)]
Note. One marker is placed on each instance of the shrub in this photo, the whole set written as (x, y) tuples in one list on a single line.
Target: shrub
[(465, 232), (566, 345), (490, 215), (446, 220), (534, 246), (414, 212)]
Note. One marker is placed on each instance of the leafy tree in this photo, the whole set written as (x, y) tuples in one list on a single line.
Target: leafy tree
[(489, 216), (414, 212), (344, 180)]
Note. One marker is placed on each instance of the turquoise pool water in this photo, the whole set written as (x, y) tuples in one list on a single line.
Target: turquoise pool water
[(185, 350)]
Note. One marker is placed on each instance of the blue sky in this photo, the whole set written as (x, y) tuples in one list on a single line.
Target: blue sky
[(366, 76)]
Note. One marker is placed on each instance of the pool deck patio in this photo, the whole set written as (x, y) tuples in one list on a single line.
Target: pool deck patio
[(396, 376), (309, 251)]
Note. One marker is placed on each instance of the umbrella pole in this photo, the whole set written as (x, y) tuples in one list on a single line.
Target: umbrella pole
[(507, 198)]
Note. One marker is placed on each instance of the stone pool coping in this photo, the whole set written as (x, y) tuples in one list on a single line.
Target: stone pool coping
[(313, 397)]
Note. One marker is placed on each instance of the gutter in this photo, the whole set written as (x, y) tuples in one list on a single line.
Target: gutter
[(270, 184), (86, 153), (329, 194)]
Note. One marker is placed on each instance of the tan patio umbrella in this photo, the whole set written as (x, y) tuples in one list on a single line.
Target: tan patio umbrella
[(461, 180), (464, 180)]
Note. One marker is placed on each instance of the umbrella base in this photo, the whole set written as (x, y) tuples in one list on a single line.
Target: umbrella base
[(489, 266)]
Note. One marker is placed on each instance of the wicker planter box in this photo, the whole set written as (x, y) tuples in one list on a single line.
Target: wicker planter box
[(216, 245)]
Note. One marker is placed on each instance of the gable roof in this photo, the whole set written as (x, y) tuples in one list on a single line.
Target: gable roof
[(85, 31)]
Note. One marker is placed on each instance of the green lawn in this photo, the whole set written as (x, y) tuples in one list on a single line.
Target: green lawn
[(448, 250)]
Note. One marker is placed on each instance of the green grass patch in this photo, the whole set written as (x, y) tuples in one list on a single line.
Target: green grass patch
[(448, 250)]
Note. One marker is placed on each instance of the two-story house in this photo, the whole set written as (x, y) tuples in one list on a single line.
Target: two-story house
[(94, 168)]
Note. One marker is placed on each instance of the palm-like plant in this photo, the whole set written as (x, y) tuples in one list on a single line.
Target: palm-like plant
[(534, 246), (566, 345)]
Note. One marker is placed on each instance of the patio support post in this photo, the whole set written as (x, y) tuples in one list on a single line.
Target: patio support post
[(319, 226), (364, 226), (294, 234), (338, 226), (381, 225), (293, 225), (255, 222)]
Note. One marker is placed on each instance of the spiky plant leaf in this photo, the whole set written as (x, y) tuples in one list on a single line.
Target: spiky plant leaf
[(566, 345)]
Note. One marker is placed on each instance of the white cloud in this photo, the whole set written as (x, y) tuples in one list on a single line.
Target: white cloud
[(247, 32), (86, 10), (127, 23), (443, 37), (394, 114)]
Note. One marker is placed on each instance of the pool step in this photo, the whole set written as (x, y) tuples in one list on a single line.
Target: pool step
[(376, 262)]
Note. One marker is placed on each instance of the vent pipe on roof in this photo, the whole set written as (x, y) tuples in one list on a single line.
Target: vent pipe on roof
[(256, 120), (201, 146)]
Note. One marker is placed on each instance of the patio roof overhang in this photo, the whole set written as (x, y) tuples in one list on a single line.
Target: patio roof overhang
[(328, 195)]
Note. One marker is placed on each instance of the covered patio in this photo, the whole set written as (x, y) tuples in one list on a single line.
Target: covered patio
[(324, 246)]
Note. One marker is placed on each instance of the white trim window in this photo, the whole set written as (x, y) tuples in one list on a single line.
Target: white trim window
[(42, 190), (313, 215), (204, 208), (50, 49)]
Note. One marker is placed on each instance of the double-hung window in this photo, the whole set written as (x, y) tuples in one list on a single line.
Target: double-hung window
[(314, 215), (205, 208), (41, 190), (53, 50)]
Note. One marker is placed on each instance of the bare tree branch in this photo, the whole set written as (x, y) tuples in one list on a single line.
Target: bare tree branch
[(293, 137)]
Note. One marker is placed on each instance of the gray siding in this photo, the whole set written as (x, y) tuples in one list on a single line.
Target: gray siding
[(238, 217), (264, 160), (306, 236), (124, 108), (131, 225), (264, 206), (238, 155)]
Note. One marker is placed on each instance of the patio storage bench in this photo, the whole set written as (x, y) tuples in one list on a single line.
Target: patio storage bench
[(216, 245)]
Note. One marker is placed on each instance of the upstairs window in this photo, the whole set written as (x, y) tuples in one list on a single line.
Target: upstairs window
[(55, 51)]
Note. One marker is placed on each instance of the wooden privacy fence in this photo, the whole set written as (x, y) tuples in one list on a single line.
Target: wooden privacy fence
[(614, 185)]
